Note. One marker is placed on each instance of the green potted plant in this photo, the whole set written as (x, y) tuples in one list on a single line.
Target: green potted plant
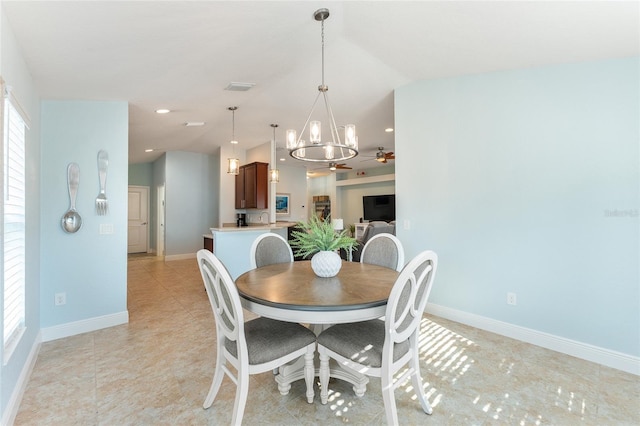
[(318, 238)]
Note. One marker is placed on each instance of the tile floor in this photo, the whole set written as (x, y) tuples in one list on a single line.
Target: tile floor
[(157, 369)]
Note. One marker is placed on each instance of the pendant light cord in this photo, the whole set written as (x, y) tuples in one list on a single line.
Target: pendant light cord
[(322, 36)]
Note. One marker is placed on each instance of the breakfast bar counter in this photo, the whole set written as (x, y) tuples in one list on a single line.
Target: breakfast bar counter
[(232, 244)]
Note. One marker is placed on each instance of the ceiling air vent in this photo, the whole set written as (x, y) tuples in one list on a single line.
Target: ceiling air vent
[(239, 87)]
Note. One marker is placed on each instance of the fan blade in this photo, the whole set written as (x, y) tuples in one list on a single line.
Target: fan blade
[(343, 166)]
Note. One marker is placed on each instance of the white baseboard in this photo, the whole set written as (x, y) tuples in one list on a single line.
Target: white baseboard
[(84, 326), (607, 357), (179, 257), (13, 405)]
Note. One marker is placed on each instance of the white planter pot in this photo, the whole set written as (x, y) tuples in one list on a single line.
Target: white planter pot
[(326, 264)]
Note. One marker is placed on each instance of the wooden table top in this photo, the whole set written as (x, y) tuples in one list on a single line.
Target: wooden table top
[(295, 286)]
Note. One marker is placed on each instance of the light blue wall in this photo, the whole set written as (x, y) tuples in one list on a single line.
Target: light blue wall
[(89, 267), (141, 174), (528, 182), (191, 188), (15, 74)]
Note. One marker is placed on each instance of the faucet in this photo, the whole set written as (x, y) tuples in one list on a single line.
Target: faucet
[(267, 213)]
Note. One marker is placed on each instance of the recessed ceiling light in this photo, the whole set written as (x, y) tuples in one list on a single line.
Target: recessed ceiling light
[(194, 123), (283, 159), (389, 129), (148, 150), (163, 111)]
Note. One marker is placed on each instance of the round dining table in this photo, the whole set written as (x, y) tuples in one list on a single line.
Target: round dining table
[(292, 292)]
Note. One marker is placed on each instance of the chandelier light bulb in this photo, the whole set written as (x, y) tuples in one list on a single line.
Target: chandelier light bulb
[(350, 136), (291, 137), (315, 132), (328, 152)]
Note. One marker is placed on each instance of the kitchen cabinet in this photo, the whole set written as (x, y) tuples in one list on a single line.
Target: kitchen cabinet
[(252, 186), (208, 242)]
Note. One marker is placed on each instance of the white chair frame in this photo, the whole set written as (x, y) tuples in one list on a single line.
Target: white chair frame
[(225, 302), (395, 332)]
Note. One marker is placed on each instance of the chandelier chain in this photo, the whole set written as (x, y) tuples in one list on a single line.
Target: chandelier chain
[(322, 36)]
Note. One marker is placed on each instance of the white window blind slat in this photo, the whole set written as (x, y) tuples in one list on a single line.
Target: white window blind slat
[(14, 224)]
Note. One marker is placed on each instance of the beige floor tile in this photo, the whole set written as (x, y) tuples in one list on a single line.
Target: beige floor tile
[(157, 370)]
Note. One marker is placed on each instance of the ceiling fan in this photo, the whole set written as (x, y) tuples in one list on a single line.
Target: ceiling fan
[(335, 166), (382, 156)]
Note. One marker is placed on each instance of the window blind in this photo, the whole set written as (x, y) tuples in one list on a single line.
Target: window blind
[(14, 192)]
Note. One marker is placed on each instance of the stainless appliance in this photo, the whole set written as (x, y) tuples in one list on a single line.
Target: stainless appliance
[(241, 219)]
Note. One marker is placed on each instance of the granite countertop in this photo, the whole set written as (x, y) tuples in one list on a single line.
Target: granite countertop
[(254, 227)]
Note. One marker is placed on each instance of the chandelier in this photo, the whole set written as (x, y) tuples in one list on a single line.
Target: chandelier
[(316, 149)]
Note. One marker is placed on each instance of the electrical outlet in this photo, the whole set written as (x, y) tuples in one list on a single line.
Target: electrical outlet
[(511, 299), (60, 299)]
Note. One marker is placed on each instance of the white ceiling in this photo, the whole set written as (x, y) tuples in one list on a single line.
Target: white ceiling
[(182, 54)]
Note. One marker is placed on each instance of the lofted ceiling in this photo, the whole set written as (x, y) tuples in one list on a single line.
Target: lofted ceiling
[(181, 55)]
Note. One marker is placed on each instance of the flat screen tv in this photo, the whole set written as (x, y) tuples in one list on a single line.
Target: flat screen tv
[(379, 207)]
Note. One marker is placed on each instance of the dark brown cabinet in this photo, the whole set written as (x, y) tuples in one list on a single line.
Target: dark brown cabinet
[(252, 186), (208, 243)]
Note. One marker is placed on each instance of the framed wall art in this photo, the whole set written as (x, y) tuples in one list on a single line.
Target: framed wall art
[(283, 202)]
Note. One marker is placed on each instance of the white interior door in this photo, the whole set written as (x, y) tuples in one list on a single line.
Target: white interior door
[(160, 229), (138, 235)]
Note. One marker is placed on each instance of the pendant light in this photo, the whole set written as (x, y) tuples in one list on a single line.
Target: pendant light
[(317, 150), (274, 173), (233, 166)]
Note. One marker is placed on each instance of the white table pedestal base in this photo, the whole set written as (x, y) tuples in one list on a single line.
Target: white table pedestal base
[(293, 371)]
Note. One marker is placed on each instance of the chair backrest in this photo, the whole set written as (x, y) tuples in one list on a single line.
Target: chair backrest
[(270, 248), (383, 250), (408, 297), (224, 299)]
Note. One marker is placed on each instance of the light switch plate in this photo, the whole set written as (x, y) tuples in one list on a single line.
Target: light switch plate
[(106, 228)]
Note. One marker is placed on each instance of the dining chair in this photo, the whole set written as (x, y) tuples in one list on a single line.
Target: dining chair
[(383, 250), (383, 348), (270, 248), (256, 346)]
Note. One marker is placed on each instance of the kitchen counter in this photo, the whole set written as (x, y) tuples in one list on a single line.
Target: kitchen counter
[(232, 244), (254, 227)]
